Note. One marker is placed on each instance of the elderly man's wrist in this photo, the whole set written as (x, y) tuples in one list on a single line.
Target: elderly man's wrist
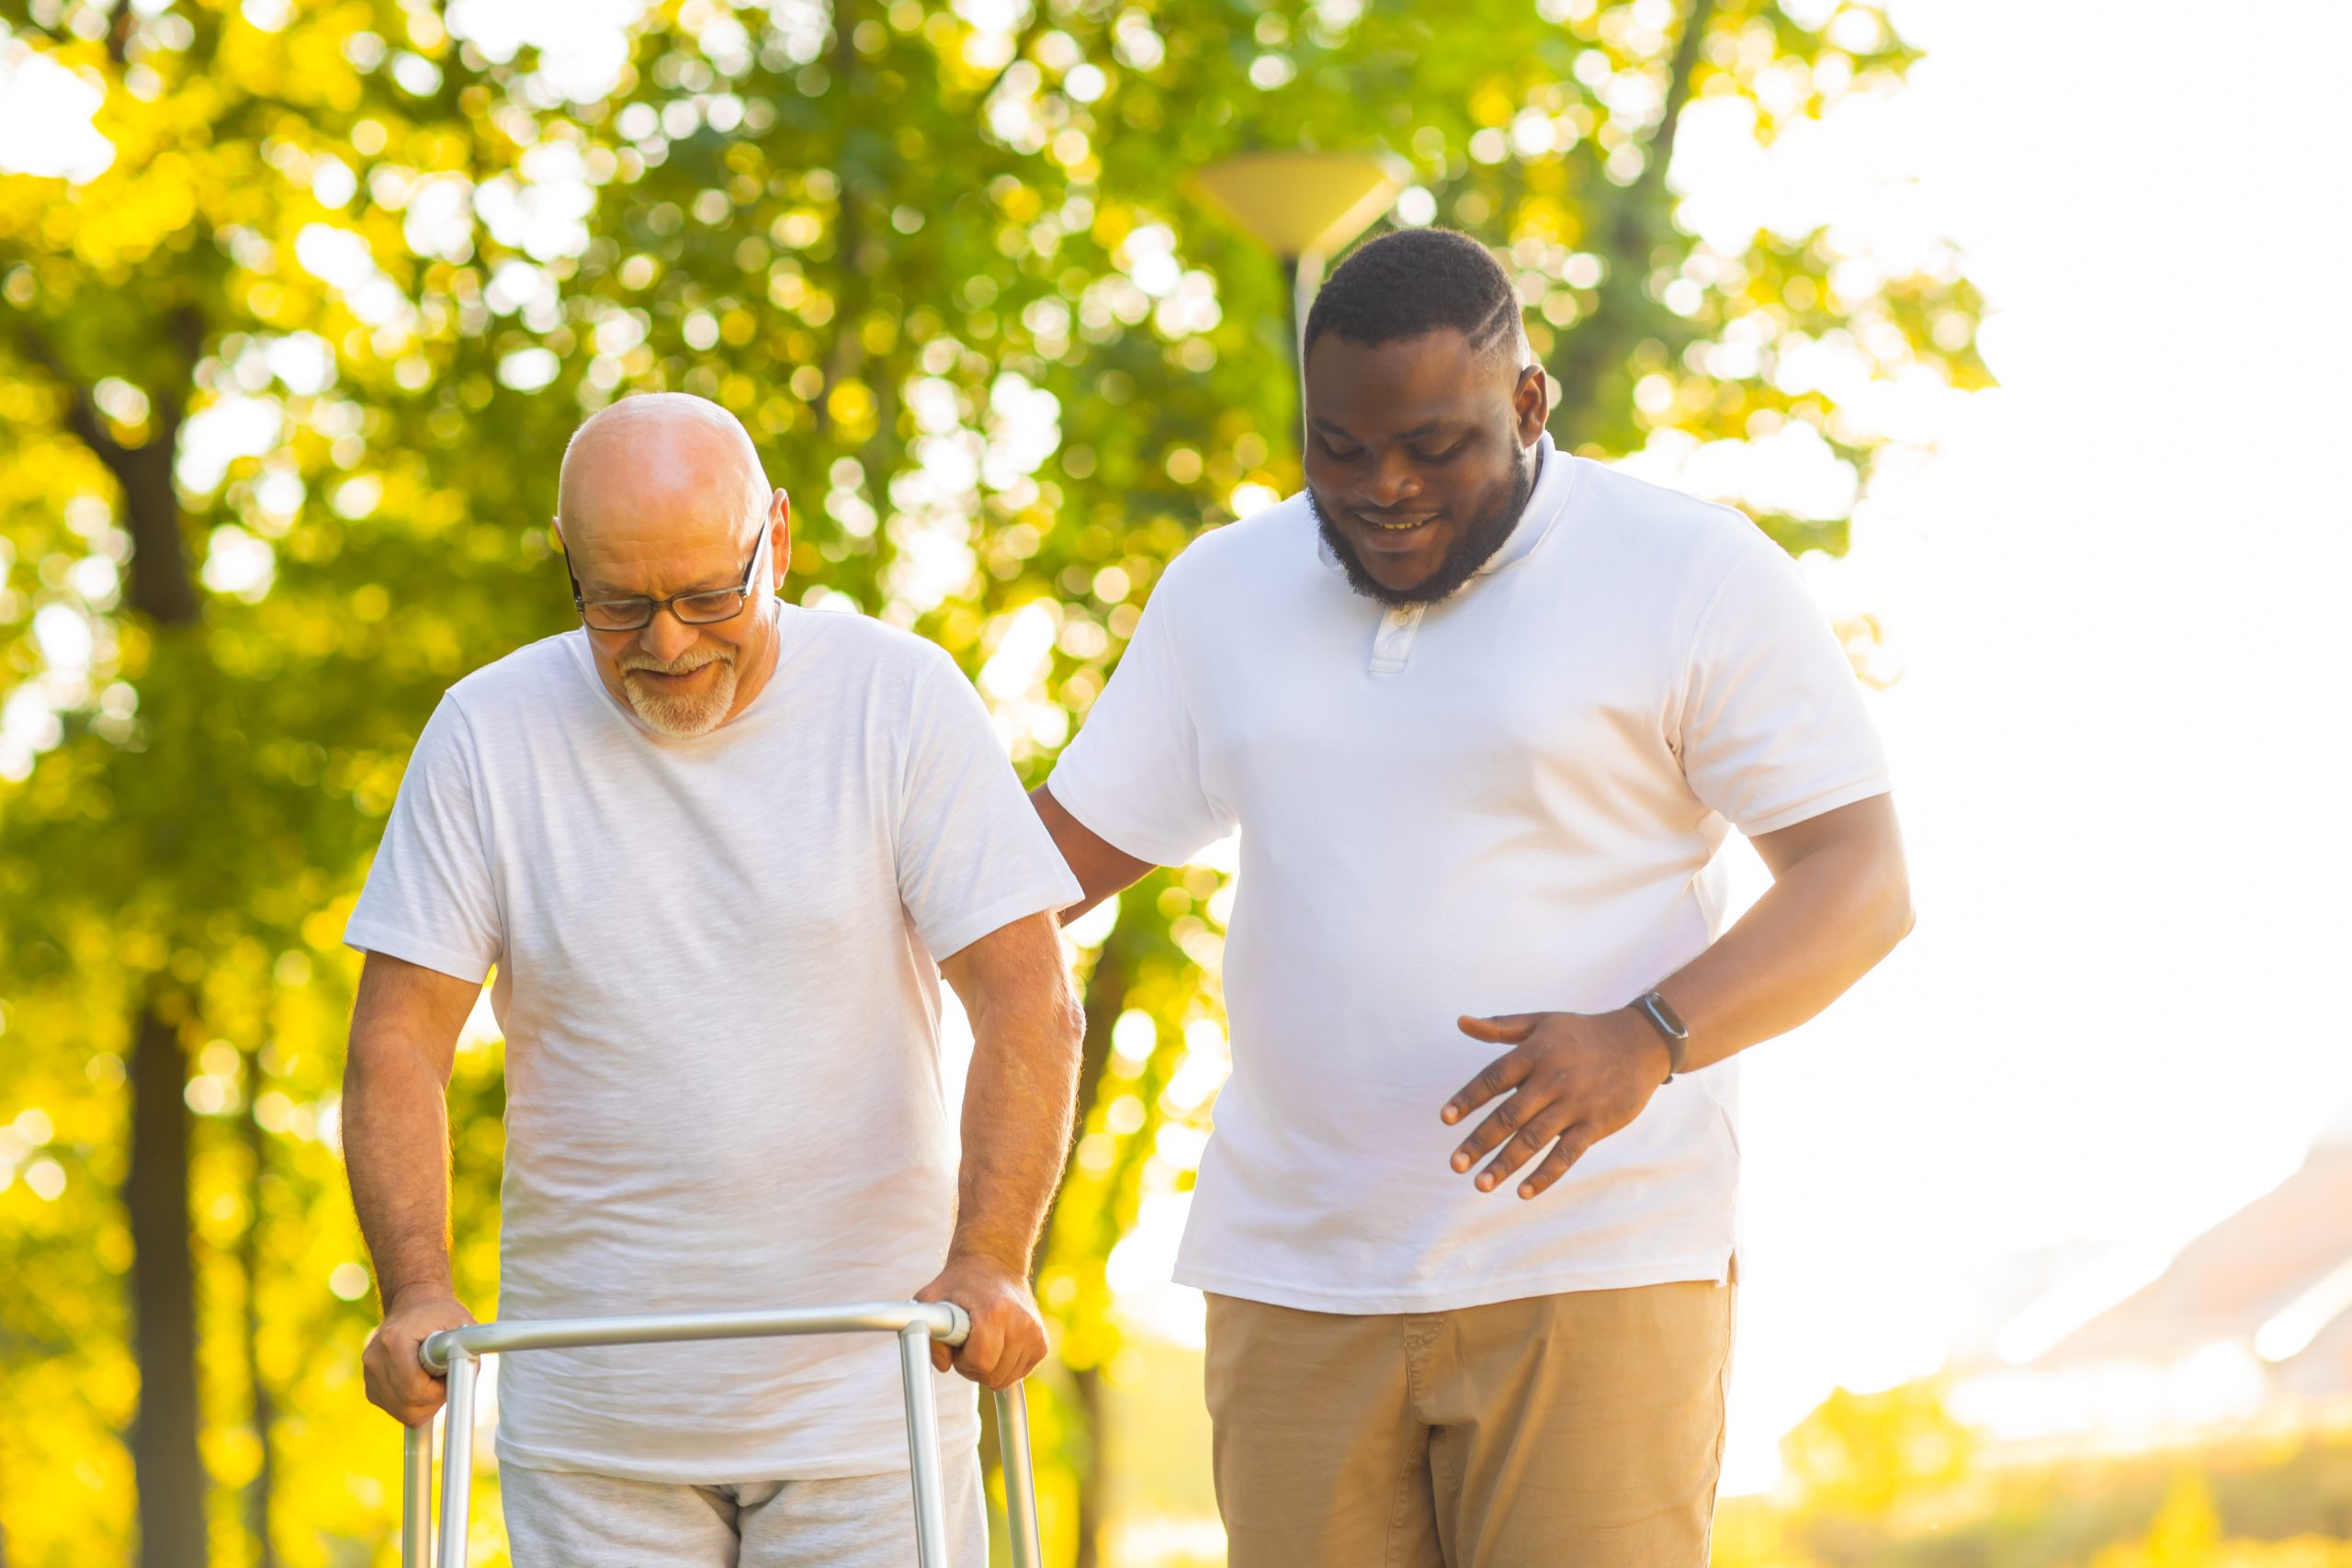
[(993, 1252), (425, 1286)]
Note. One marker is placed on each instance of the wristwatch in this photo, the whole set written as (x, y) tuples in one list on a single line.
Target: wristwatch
[(1669, 1026)]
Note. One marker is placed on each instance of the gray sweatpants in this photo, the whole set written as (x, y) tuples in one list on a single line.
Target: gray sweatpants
[(571, 1519)]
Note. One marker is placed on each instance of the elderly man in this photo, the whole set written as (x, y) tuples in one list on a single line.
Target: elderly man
[(1483, 713), (719, 850)]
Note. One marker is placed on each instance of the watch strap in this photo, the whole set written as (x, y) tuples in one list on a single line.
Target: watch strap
[(1670, 1027)]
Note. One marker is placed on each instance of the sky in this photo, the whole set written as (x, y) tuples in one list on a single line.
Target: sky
[(2115, 593)]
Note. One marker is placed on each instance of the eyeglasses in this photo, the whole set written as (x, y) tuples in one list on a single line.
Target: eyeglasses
[(697, 609)]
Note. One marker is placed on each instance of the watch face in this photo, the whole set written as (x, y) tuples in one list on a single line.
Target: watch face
[(1667, 1017)]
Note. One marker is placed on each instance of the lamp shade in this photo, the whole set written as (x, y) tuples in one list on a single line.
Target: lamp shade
[(1300, 204)]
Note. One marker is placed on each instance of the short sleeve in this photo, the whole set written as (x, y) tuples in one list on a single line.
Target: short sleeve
[(1774, 730), (972, 855), (1133, 776), (429, 898)]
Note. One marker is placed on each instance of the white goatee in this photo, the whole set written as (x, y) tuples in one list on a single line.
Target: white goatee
[(681, 714)]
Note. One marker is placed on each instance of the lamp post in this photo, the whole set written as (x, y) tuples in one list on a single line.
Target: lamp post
[(1303, 206)]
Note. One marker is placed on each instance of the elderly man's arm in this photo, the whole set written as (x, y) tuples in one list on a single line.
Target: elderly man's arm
[(1026, 1030), (396, 1147)]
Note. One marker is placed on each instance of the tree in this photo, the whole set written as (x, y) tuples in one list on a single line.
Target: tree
[(209, 362), (283, 387)]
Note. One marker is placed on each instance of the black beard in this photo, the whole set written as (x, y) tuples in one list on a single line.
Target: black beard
[(1474, 549)]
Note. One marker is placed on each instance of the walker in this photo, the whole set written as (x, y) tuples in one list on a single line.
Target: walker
[(456, 1354)]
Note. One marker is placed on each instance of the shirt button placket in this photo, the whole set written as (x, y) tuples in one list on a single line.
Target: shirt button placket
[(1393, 643)]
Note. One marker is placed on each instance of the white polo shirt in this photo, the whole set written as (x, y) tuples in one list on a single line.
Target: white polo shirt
[(1507, 802), (717, 978)]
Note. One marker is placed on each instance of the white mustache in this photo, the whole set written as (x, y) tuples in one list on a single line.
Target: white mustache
[(686, 663)]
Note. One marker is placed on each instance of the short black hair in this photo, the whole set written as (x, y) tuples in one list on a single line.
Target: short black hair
[(1412, 281)]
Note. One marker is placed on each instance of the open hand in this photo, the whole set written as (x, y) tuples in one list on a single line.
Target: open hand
[(397, 1381), (1568, 1081), (1008, 1336)]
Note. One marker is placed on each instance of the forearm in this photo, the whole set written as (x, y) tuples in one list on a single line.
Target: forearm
[(1841, 900), (1102, 870), (1826, 920), (1017, 1107), (396, 1149)]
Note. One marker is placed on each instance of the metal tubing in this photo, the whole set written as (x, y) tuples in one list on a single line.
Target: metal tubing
[(923, 1447), (416, 1496), (458, 1458), (943, 1321), (456, 1354), (1020, 1480)]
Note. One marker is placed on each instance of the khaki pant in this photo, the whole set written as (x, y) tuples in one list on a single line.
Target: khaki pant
[(1582, 1430)]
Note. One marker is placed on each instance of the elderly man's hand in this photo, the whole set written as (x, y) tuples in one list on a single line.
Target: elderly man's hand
[(397, 1381), (1008, 1336)]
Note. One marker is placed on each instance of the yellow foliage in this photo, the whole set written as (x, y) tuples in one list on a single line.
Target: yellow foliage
[(2187, 1533), (1866, 1454), (1493, 104)]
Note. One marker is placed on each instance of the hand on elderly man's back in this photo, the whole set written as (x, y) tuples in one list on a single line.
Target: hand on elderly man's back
[(1008, 1336)]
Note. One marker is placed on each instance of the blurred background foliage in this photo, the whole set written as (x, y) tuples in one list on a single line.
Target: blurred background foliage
[(1889, 1480), (283, 381)]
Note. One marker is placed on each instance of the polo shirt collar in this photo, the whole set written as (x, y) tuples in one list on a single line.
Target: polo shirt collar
[(1555, 477)]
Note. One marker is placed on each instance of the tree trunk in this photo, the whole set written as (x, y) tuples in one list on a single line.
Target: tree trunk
[(161, 587), (1599, 344), (164, 1437), (165, 1457), (249, 1258), (847, 354), (1089, 1381), (165, 1452), (1107, 999)]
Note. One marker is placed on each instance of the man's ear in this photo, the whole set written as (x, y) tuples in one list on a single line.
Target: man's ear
[(780, 522), (1531, 403)]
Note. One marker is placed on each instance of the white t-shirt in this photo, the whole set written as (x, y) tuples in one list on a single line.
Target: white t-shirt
[(1507, 802), (716, 979)]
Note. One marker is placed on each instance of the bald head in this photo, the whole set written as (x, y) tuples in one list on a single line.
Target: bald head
[(662, 499), (660, 463)]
